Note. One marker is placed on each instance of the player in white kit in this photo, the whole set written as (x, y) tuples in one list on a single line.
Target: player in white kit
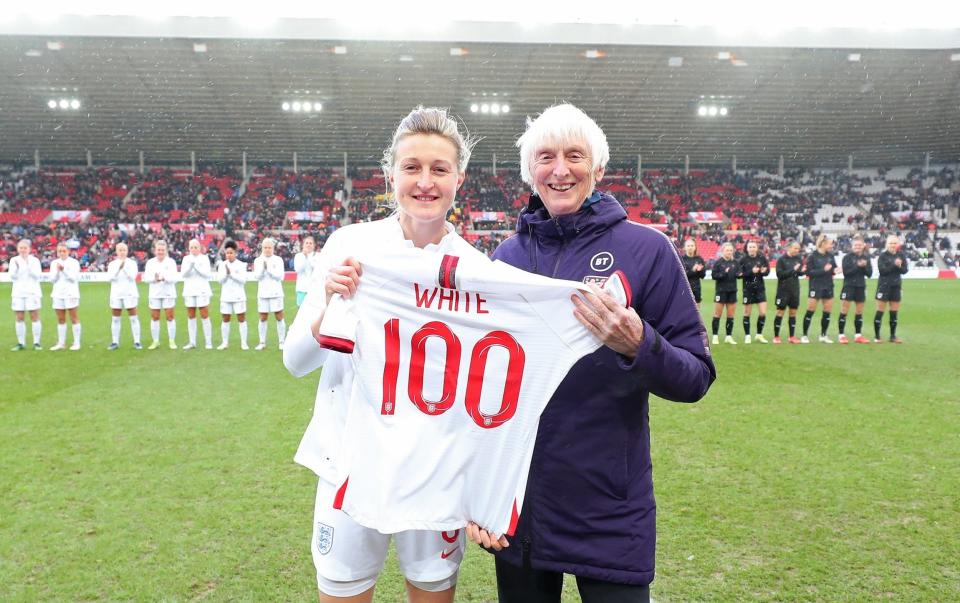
[(64, 273), (303, 266), (232, 274), (124, 295), (25, 273), (161, 274), (268, 272), (425, 166), (195, 272)]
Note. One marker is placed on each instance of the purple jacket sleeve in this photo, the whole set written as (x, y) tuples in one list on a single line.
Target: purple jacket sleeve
[(673, 360)]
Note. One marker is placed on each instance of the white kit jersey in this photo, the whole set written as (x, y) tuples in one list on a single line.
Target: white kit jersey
[(66, 282), (195, 273), (233, 278), (455, 359), (25, 275), (123, 278), (268, 272), (162, 277), (320, 446), (303, 266)]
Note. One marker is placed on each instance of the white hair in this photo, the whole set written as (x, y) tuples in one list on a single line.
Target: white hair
[(270, 240), (563, 124)]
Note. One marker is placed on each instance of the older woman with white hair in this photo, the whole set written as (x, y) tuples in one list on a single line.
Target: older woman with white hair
[(589, 508)]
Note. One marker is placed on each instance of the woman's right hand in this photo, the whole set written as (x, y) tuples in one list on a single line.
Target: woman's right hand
[(343, 279)]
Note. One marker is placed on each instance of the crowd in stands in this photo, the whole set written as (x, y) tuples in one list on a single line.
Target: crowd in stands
[(94, 208)]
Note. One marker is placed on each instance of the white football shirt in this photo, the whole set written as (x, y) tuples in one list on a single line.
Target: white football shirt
[(234, 282), (455, 359), (162, 277), (25, 275), (66, 282), (195, 273), (123, 278), (268, 272)]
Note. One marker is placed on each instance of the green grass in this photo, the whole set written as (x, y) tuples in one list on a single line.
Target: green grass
[(818, 473)]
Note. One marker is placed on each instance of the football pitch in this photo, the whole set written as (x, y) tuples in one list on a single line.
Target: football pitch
[(813, 473)]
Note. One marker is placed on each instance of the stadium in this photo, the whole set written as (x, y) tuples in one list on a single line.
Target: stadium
[(808, 472)]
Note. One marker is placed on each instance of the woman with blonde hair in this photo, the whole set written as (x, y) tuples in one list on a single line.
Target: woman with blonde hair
[(821, 266), (425, 166)]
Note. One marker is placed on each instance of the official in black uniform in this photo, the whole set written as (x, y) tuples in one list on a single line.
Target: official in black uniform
[(821, 265), (754, 266), (789, 271), (892, 265), (725, 271), (694, 266), (857, 268)]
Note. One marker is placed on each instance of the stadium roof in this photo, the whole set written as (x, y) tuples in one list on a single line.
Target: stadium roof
[(815, 105)]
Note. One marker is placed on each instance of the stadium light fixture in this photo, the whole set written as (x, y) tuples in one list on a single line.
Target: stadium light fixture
[(74, 104), (306, 107), (484, 108), (723, 55), (296, 106), (474, 108), (459, 52), (675, 62), (505, 109), (702, 111), (52, 104), (199, 47), (63, 103), (339, 50), (723, 111), (495, 109), (854, 57), (318, 106), (285, 106), (712, 111)]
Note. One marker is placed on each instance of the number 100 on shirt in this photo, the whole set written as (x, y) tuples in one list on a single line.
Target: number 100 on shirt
[(440, 332)]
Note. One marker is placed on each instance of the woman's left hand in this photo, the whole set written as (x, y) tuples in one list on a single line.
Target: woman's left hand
[(618, 327)]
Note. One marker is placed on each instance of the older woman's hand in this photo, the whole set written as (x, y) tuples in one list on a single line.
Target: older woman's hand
[(485, 539), (618, 327)]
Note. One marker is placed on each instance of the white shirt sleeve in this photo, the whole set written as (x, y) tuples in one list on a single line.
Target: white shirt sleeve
[(71, 271), (302, 353), (202, 266), (276, 269)]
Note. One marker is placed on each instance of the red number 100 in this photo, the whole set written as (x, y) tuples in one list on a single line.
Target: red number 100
[(451, 371)]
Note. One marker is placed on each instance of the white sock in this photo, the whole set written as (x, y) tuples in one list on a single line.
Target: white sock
[(191, 331), (76, 333), (115, 329), (37, 327), (135, 327), (243, 332), (61, 334), (281, 331), (262, 330), (172, 331), (225, 332), (21, 328), (207, 331), (155, 329)]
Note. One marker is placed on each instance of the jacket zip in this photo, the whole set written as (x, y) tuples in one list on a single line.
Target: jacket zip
[(563, 245)]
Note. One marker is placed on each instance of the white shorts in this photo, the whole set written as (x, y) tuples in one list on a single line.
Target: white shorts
[(269, 304), (25, 304), (345, 551), (126, 302), (228, 308), (65, 303), (196, 301), (162, 303)]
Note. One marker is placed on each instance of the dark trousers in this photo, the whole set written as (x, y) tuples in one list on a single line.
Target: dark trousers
[(518, 585)]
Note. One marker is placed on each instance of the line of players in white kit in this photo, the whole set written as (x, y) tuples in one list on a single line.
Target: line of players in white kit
[(161, 275)]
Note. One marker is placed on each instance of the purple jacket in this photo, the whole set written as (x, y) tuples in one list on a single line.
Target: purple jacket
[(589, 508)]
